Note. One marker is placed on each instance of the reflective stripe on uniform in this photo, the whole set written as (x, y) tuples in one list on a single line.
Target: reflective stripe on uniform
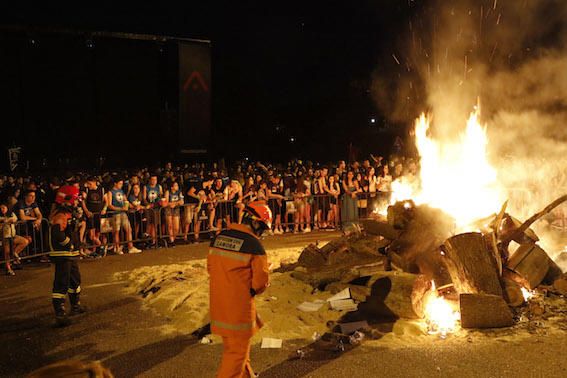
[(66, 241), (58, 296), (64, 254), (230, 255), (74, 291), (233, 327)]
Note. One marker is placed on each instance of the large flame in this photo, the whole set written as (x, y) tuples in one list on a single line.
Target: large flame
[(456, 176)]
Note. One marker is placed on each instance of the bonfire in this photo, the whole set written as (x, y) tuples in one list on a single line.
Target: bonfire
[(443, 245)]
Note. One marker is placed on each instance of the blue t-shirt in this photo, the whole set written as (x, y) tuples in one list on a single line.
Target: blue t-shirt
[(118, 198), (152, 193), (133, 198), (175, 196)]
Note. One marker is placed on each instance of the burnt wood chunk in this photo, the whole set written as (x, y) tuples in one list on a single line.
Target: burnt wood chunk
[(512, 292), (531, 263), (374, 227), (311, 257), (484, 311), (394, 295), (472, 265)]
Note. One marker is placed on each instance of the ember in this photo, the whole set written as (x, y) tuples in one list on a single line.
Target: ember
[(440, 316), (527, 293)]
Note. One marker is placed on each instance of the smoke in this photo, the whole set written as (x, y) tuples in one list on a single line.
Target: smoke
[(509, 54)]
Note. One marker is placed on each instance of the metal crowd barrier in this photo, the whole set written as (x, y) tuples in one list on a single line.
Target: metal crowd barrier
[(36, 237), (202, 221)]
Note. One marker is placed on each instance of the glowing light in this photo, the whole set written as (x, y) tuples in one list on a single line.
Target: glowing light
[(528, 294), (440, 316), (455, 176)]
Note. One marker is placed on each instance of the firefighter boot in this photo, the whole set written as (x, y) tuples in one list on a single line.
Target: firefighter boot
[(61, 319), (76, 308)]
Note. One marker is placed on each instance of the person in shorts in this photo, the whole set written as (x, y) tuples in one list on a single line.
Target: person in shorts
[(118, 204), (153, 192), (28, 210), (190, 210), (173, 211), (94, 207), (136, 211), (277, 201), (11, 242)]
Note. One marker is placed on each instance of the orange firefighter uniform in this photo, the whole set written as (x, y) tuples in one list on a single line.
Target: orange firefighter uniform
[(238, 270)]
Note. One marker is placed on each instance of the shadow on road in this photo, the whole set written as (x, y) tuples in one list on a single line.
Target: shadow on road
[(139, 360)]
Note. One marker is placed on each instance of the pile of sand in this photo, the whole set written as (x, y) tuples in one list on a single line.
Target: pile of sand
[(180, 292)]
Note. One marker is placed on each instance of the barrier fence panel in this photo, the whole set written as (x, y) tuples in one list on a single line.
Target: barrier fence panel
[(24, 239)]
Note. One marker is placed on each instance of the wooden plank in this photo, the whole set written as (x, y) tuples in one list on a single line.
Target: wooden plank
[(531, 262), (524, 226)]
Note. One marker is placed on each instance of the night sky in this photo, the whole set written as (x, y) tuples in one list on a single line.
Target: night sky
[(280, 71)]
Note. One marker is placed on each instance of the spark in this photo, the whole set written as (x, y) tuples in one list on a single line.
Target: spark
[(396, 59), (493, 51), (480, 24)]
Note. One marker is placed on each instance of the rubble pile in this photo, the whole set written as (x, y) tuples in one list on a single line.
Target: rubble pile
[(394, 265)]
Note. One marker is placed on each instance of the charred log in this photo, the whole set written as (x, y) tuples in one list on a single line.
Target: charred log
[(472, 265)]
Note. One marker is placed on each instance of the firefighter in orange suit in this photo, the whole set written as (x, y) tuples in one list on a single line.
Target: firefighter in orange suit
[(238, 270)]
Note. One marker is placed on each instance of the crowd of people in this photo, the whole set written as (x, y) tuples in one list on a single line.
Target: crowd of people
[(127, 211)]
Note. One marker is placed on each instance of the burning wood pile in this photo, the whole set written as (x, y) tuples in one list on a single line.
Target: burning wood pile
[(434, 253), (411, 264)]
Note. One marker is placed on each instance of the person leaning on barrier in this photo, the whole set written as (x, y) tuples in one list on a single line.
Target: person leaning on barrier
[(118, 203), (28, 210), (218, 211), (67, 278), (233, 195), (136, 211), (10, 241), (190, 213), (238, 269), (277, 201), (174, 198), (94, 206), (153, 193)]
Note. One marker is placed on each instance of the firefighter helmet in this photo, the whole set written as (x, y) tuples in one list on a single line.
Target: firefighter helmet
[(67, 195), (259, 211)]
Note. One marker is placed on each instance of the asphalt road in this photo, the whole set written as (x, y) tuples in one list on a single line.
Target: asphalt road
[(131, 340)]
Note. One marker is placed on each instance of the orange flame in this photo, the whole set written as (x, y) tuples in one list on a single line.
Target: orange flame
[(440, 316), (455, 177)]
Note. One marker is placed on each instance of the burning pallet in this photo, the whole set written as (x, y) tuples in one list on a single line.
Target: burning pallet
[(411, 264)]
